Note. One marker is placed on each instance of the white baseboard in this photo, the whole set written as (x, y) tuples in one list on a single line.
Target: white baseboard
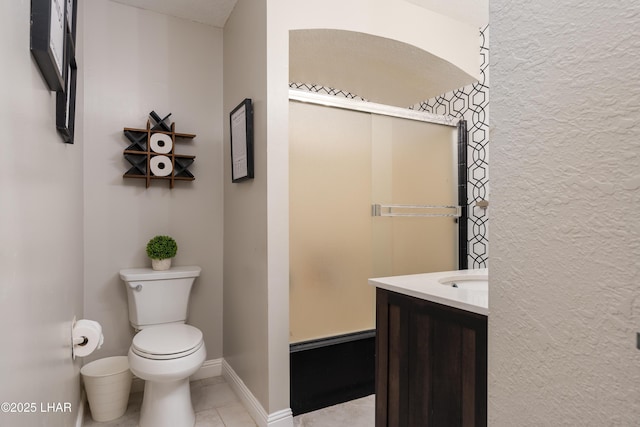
[(283, 418), (210, 368)]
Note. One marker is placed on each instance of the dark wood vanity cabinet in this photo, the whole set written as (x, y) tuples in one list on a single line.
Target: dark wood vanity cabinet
[(431, 364)]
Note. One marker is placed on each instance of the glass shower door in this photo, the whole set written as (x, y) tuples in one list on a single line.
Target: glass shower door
[(341, 163), (414, 164), (330, 243)]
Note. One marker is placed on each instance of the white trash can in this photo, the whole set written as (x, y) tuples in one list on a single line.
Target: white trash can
[(108, 383)]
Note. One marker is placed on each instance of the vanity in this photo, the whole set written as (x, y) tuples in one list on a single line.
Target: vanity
[(431, 349)]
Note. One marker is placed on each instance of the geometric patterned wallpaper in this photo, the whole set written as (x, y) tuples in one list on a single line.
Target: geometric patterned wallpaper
[(470, 103), (324, 90)]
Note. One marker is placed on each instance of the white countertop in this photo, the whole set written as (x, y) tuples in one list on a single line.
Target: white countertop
[(426, 286)]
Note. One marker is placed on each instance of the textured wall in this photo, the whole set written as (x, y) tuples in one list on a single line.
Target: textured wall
[(565, 231)]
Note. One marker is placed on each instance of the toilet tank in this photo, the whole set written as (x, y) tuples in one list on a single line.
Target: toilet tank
[(157, 297)]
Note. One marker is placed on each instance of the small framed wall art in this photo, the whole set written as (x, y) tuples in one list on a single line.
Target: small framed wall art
[(241, 126), (72, 11), (48, 40), (66, 99)]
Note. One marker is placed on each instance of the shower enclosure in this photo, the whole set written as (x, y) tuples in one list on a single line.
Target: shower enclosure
[(372, 194)]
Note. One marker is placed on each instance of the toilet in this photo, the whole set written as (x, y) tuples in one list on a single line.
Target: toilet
[(165, 351)]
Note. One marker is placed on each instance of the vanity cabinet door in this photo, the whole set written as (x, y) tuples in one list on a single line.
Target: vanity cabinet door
[(431, 364)]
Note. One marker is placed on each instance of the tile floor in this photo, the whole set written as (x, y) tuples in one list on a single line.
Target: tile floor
[(216, 405), (357, 413)]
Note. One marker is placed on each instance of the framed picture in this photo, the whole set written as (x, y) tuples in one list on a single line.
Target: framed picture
[(71, 11), (48, 40), (66, 99), (241, 122)]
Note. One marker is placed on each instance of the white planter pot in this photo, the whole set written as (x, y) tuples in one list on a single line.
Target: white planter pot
[(161, 264)]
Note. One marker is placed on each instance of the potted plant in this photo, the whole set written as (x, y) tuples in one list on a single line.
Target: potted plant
[(161, 249)]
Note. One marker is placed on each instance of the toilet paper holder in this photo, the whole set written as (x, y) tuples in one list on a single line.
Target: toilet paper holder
[(81, 341), (85, 339)]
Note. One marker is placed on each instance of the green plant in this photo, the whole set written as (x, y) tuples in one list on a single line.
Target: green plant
[(162, 247)]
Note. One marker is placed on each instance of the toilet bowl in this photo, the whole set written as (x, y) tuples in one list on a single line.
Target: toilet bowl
[(165, 356)]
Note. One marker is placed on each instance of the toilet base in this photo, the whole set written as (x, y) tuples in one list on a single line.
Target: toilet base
[(167, 398), (167, 404)]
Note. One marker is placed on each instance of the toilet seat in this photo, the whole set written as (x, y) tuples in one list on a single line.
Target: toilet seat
[(164, 342)]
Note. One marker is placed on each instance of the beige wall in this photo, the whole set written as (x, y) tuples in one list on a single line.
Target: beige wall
[(564, 294), (41, 259), (256, 263), (278, 207), (137, 61), (450, 39), (245, 205)]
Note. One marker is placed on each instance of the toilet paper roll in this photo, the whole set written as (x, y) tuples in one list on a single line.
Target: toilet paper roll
[(88, 332), (161, 166), (161, 143)]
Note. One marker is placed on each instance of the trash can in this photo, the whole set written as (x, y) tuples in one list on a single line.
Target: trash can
[(108, 383)]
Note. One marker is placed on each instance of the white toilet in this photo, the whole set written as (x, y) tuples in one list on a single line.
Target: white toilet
[(165, 351)]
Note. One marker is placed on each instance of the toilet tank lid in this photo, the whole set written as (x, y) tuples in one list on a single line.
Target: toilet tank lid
[(133, 274)]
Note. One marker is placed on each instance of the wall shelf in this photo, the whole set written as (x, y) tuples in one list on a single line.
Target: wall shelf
[(154, 157)]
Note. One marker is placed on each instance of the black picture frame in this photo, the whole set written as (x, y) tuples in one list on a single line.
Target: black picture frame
[(71, 9), (66, 99), (241, 131), (48, 33)]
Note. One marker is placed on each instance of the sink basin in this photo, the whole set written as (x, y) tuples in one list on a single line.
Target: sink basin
[(468, 282)]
